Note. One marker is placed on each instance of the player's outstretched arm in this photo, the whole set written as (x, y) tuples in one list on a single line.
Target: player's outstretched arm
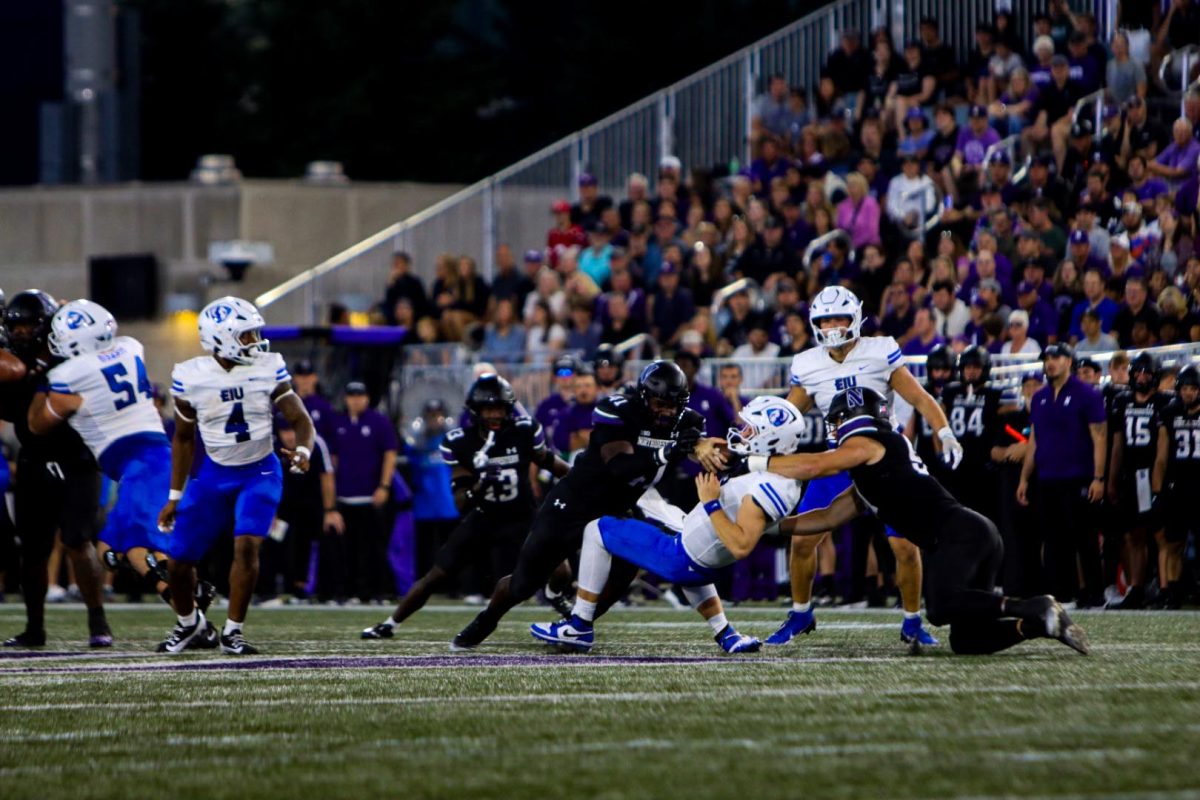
[(548, 460), (740, 536), (50, 409), (807, 466), (293, 410), (183, 449), (12, 369), (928, 407), (845, 507)]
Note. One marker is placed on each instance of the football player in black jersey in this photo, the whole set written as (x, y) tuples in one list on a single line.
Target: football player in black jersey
[(939, 372), (973, 409), (1135, 419), (634, 441), (1175, 480), (961, 549), (57, 488), (490, 460)]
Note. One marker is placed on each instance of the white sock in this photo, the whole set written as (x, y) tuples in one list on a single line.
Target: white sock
[(231, 627), (391, 623), (717, 622), (584, 609), (189, 620), (912, 614), (595, 562), (802, 607), (550, 593)]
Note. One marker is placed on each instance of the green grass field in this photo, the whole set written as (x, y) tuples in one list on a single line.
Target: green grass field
[(654, 711)]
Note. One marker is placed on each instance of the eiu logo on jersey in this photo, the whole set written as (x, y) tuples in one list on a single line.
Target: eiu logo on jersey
[(76, 319), (220, 313), (841, 384), (779, 416), (854, 398), (229, 395)]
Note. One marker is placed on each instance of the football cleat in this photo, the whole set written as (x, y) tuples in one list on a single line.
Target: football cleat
[(27, 638), (573, 633), (205, 594), (564, 605), (235, 644), (911, 632), (380, 631), (181, 637), (733, 642), (797, 623), (473, 635), (1059, 626)]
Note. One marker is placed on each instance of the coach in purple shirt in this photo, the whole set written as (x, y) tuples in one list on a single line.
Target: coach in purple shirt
[(574, 428), (364, 446), (1068, 432), (304, 381)]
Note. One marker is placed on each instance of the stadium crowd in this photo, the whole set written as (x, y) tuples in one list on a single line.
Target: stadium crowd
[(968, 205)]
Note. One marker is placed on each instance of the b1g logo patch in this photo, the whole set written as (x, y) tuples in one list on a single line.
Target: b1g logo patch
[(76, 319)]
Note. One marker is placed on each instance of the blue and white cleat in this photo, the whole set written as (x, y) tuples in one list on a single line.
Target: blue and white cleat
[(733, 642), (797, 623), (914, 635), (573, 633)]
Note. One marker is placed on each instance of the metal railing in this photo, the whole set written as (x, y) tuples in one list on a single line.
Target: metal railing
[(704, 120)]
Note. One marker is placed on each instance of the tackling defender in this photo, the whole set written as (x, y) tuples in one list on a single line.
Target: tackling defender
[(961, 547), (490, 459), (846, 359), (102, 390), (724, 527), (229, 394)]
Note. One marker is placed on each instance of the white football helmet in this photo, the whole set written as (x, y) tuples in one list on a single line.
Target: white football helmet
[(771, 427), (224, 322), (80, 327), (835, 301)]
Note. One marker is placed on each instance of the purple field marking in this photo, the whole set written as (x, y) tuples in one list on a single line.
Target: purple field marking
[(348, 662), (14, 654)]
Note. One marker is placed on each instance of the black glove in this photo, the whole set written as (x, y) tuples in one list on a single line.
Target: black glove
[(685, 442), (491, 477)]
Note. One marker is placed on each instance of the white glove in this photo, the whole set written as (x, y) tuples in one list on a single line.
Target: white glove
[(480, 459), (952, 451)]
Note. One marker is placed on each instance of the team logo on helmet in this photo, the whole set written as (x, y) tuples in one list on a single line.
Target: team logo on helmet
[(76, 319), (854, 398), (220, 313), (778, 416)]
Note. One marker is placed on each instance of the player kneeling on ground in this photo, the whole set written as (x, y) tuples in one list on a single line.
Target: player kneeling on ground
[(490, 459), (723, 528), (962, 549)]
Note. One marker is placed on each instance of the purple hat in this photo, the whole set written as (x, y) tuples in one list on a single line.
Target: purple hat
[(979, 112), (533, 256), (668, 268), (915, 113), (1111, 110), (1000, 156), (978, 302), (1079, 237), (587, 179), (1025, 287)]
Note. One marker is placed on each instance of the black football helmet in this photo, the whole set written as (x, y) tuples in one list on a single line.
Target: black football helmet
[(856, 408), (1144, 372), (1188, 376), (27, 321), (490, 389), (939, 358), (608, 356), (976, 356), (663, 381)]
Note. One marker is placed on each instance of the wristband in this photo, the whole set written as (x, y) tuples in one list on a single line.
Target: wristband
[(712, 506), (174, 495), (757, 463), (1097, 477), (302, 450), (331, 511)]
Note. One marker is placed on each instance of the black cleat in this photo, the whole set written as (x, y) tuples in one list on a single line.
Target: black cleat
[(27, 638), (235, 644), (473, 635), (205, 594), (1068, 632), (181, 636), (562, 605), (380, 631)]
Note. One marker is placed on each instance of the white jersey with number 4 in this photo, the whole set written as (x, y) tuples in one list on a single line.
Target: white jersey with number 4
[(775, 495), (869, 364), (118, 400), (233, 407)]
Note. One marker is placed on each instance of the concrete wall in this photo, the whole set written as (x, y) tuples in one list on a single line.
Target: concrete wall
[(48, 233)]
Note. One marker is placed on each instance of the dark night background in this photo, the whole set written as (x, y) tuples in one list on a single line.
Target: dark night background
[(437, 91)]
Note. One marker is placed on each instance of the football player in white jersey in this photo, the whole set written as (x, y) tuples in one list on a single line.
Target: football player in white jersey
[(723, 528), (230, 396), (843, 360), (102, 390)]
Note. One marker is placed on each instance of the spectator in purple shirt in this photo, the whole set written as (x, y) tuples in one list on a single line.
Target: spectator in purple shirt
[(550, 411), (364, 446), (1083, 70), (729, 381), (1043, 320), (974, 140), (768, 166), (1143, 184), (1068, 433), (575, 425), (925, 335), (304, 381), (671, 306), (1178, 162)]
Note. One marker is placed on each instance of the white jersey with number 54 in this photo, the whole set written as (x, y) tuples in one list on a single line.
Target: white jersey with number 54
[(870, 364), (117, 397), (233, 407)]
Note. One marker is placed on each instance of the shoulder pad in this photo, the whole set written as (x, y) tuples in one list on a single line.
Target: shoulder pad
[(617, 408), (523, 422), (455, 434)]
